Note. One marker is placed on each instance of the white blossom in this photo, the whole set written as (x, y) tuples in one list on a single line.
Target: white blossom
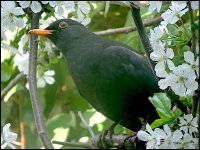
[(61, 6), (174, 12), (51, 3), (8, 136), (155, 5), (154, 38), (184, 80), (195, 5), (34, 5), (83, 9), (152, 137), (47, 77), (21, 59), (162, 57), (9, 11), (167, 81), (163, 26), (188, 123), (167, 139), (170, 139), (189, 58), (22, 62), (186, 142)]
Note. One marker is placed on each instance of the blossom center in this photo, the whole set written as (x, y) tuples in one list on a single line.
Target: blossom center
[(182, 78), (194, 66)]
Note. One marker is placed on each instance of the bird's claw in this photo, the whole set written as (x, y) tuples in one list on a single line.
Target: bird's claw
[(103, 143), (132, 138)]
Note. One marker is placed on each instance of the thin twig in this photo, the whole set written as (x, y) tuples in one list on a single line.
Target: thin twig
[(129, 28), (22, 128), (86, 124), (12, 84), (192, 29), (82, 145), (148, 49), (142, 33), (193, 49), (33, 87)]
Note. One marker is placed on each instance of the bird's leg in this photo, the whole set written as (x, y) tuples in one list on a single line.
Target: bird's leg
[(102, 138)]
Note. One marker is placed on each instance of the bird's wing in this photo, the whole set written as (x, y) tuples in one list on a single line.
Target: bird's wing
[(134, 66)]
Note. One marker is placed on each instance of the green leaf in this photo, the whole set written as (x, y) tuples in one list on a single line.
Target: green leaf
[(157, 123), (163, 106), (186, 100), (6, 72)]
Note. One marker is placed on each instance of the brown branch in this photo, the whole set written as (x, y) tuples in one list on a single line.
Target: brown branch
[(12, 84), (37, 111), (129, 28)]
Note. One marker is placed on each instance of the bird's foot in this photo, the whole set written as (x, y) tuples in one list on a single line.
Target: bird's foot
[(131, 138), (107, 142)]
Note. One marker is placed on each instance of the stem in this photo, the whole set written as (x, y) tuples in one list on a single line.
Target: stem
[(12, 84), (192, 29), (37, 111), (86, 124), (193, 49)]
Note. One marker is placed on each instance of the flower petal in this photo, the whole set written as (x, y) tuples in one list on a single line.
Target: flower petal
[(177, 135), (191, 84), (143, 136), (50, 73), (170, 53), (36, 6), (49, 80), (189, 57)]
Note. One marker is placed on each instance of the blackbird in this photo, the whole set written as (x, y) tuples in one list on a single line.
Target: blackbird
[(110, 75)]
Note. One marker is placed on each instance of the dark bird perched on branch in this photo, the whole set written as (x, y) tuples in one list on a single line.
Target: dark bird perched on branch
[(111, 76)]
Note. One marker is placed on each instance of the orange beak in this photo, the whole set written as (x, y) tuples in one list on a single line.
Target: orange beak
[(41, 32)]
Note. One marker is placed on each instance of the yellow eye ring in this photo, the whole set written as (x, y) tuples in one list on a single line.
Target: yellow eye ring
[(63, 25)]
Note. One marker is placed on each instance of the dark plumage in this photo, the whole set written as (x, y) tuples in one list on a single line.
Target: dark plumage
[(113, 78)]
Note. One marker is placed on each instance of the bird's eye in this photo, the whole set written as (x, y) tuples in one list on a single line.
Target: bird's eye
[(63, 25)]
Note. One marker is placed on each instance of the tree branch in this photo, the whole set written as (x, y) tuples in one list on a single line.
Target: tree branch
[(118, 141), (37, 111), (193, 49), (129, 28), (148, 49), (142, 33), (12, 84)]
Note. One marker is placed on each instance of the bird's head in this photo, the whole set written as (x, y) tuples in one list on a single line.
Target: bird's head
[(62, 32)]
